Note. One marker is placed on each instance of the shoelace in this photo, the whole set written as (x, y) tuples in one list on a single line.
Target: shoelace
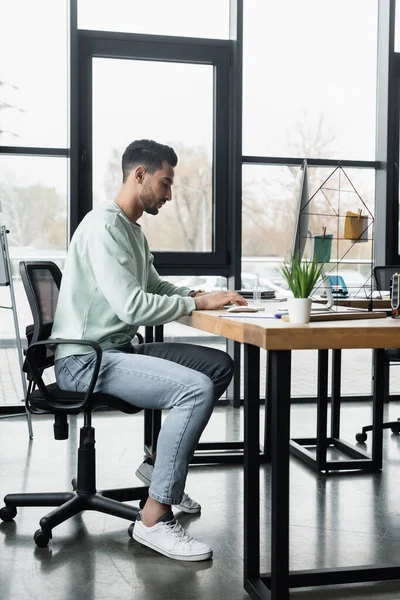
[(176, 529)]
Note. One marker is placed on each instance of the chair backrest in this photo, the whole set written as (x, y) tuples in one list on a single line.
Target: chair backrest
[(383, 275), (41, 281)]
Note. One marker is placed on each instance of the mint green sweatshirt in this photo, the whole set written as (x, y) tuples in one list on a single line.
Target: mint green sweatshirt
[(110, 286)]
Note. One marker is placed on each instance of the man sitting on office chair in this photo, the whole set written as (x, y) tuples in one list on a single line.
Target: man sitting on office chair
[(109, 288)]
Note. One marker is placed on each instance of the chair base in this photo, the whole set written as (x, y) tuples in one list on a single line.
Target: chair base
[(70, 504), (393, 425), (83, 497)]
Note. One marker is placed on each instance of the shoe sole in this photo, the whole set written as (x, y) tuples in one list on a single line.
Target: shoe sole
[(189, 511), (194, 558)]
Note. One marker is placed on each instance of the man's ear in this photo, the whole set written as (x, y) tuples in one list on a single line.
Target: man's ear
[(139, 174)]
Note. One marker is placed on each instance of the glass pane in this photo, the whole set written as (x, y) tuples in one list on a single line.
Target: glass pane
[(270, 199), (309, 80), (356, 366), (203, 18), (33, 74), (209, 283), (33, 193), (177, 109)]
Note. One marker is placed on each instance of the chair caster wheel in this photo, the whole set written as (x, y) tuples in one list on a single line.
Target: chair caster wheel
[(395, 430), (361, 437), (7, 513), (130, 529), (42, 538)]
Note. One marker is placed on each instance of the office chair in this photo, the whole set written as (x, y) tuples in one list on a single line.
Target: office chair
[(382, 282), (42, 281)]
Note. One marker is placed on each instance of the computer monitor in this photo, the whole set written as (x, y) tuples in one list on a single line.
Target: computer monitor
[(301, 232), (302, 216)]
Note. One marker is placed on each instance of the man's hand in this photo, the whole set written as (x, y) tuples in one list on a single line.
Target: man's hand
[(215, 300)]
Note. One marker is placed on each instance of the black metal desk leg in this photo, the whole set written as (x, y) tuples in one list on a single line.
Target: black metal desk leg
[(148, 428), (267, 414), (251, 462), (149, 334), (159, 333), (280, 430), (336, 393), (322, 409), (152, 426), (378, 403), (152, 417)]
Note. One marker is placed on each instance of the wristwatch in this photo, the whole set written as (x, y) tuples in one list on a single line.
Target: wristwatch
[(194, 293)]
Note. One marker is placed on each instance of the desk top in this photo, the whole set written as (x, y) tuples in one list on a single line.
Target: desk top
[(276, 334)]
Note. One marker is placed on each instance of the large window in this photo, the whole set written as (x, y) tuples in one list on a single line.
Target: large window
[(309, 78), (309, 91), (34, 164), (186, 122), (270, 200), (194, 18), (33, 193), (33, 73), (176, 93)]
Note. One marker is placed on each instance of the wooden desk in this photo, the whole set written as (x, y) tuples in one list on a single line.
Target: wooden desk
[(377, 303), (280, 338)]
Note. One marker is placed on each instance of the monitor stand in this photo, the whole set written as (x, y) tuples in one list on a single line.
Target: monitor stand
[(320, 304)]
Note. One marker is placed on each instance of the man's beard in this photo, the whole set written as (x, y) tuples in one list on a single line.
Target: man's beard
[(149, 202)]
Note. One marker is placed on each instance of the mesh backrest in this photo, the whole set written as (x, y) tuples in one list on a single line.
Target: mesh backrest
[(383, 275), (46, 292), (41, 281)]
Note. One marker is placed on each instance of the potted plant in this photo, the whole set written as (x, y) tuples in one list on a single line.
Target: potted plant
[(301, 277)]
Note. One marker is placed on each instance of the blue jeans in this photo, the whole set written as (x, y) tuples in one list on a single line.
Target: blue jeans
[(183, 378)]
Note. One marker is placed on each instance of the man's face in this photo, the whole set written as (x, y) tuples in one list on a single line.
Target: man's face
[(156, 188)]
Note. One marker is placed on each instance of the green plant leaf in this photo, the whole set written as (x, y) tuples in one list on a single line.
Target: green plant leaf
[(301, 276)]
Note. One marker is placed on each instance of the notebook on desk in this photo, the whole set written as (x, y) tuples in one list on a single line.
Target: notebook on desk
[(342, 313), (317, 307)]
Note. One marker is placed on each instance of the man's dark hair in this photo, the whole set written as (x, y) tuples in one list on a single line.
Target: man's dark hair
[(148, 153)]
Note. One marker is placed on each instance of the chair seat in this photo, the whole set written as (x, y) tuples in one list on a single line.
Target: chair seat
[(66, 401)]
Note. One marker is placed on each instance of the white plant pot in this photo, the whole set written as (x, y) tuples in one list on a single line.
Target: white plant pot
[(299, 310)]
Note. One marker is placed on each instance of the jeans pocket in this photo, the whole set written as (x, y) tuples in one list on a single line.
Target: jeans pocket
[(73, 373)]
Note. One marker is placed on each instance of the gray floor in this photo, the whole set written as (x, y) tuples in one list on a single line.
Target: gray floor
[(336, 520)]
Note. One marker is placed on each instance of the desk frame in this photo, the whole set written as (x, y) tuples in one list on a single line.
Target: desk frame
[(280, 339), (358, 459), (232, 452), (275, 585)]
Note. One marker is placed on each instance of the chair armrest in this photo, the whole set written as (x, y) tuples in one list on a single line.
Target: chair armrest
[(38, 377), (139, 337)]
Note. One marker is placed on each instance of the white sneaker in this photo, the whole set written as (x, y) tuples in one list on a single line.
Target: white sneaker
[(145, 471), (169, 538)]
